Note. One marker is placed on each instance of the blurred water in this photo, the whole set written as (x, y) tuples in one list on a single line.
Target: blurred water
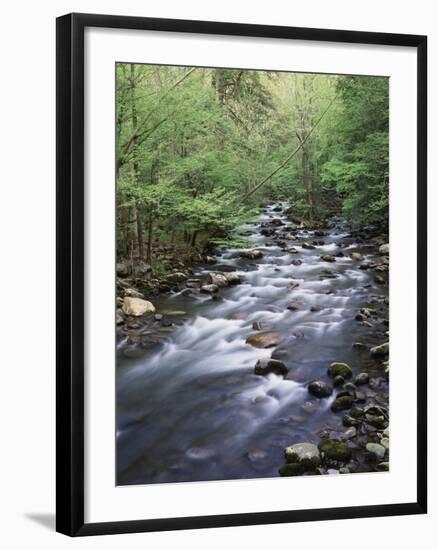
[(193, 409)]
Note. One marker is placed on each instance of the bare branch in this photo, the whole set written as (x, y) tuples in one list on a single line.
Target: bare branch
[(284, 163)]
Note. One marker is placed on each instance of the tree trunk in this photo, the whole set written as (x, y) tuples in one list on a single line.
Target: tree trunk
[(139, 226), (150, 236), (124, 216), (308, 182), (135, 167)]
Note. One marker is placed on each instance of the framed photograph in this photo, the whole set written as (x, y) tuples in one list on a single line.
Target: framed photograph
[(241, 274)]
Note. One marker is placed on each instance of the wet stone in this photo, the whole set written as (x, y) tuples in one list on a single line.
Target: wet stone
[(361, 378), (266, 366), (264, 339), (340, 369), (334, 450), (320, 389), (342, 403)]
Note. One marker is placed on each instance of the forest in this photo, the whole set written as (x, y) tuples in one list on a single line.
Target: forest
[(200, 150)]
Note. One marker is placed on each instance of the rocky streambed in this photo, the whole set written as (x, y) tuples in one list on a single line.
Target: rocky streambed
[(258, 362)]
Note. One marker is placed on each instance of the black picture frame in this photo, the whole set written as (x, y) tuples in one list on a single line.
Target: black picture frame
[(70, 273)]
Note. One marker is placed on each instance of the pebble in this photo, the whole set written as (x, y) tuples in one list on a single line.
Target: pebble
[(376, 449)]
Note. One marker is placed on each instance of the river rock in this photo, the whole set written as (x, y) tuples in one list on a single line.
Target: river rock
[(264, 339), (377, 421), (176, 277), (332, 449), (133, 293), (360, 397), (350, 433), (209, 289), (380, 351), (251, 254), (360, 317), (361, 378), (133, 352), (383, 467), (217, 279), (340, 369), (376, 449), (384, 442), (290, 470), (233, 278), (141, 268), (342, 403), (210, 260), (137, 307), (120, 318), (356, 256), (122, 268), (294, 306), (297, 262), (384, 249), (348, 420), (305, 454), (359, 346), (320, 389), (328, 258), (357, 412), (266, 366), (338, 381), (308, 246), (379, 279), (193, 283)]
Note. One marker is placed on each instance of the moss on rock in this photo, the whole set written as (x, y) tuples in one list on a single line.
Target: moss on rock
[(342, 403), (340, 369), (289, 469), (334, 450)]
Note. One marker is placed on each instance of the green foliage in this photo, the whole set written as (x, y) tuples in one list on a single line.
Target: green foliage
[(192, 142), (359, 165)]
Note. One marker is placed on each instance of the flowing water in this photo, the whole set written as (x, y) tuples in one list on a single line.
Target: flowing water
[(192, 408)]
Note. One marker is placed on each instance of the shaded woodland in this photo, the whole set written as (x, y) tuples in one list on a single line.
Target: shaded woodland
[(199, 150)]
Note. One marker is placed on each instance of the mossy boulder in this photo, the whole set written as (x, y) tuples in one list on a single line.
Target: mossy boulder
[(342, 403), (348, 420), (340, 369), (289, 470), (362, 378), (378, 421), (332, 449), (380, 351), (377, 451), (266, 366), (320, 389), (305, 454), (357, 412)]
